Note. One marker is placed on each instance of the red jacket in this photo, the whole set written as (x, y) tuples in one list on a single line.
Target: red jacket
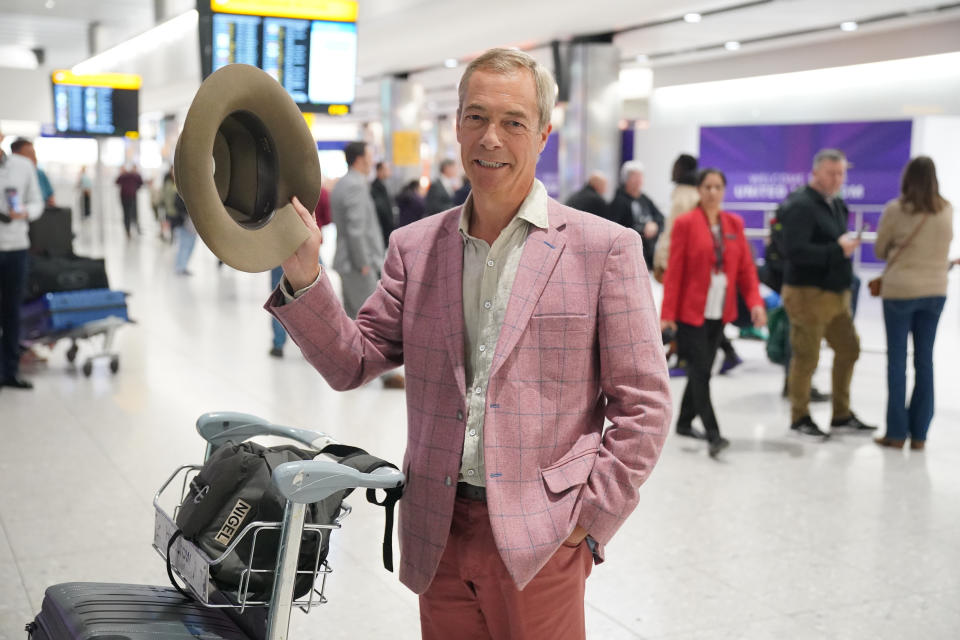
[(687, 279)]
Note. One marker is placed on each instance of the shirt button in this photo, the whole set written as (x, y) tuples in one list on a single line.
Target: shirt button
[(478, 389), (483, 348), (459, 414), (473, 432), (470, 472), (487, 304), (490, 263)]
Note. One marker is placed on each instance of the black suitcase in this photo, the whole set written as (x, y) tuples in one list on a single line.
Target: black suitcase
[(99, 611), (52, 233), (50, 275)]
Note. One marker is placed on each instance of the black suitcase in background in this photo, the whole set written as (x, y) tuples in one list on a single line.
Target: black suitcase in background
[(51, 275), (99, 611), (52, 233)]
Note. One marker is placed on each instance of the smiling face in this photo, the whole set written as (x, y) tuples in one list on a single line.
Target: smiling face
[(499, 135)]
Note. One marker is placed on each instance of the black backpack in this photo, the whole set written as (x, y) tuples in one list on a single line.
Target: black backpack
[(771, 273), (234, 488), (178, 216)]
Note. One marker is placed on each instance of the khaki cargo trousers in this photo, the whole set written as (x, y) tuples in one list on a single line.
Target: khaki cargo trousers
[(816, 314)]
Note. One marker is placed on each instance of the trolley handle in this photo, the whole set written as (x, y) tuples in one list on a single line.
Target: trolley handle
[(218, 427), (309, 481)]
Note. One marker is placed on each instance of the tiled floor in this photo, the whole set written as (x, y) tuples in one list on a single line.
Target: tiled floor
[(783, 538)]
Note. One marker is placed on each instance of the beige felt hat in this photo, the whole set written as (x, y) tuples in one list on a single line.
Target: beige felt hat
[(244, 152)]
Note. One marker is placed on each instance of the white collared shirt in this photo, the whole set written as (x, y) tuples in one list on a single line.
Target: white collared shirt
[(488, 275)]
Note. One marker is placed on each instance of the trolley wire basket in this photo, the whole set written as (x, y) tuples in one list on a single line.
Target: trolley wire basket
[(301, 483), (194, 566)]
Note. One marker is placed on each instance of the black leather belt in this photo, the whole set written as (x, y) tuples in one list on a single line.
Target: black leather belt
[(471, 492)]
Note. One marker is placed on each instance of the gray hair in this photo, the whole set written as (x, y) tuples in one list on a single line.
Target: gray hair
[(630, 166), (832, 155), (505, 61)]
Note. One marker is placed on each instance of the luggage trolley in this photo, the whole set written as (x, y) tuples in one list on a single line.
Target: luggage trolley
[(77, 315), (133, 612)]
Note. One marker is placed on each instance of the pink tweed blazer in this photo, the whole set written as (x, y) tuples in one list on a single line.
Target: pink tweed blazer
[(580, 343)]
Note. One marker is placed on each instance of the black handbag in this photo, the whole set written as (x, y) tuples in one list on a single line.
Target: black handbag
[(234, 489)]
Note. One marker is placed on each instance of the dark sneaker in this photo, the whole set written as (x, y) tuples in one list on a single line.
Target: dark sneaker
[(851, 422), (717, 446), (690, 432), (808, 427), (818, 396), (730, 363), (276, 352), (17, 383)]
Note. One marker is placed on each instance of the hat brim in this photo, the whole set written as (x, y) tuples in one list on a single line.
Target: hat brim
[(202, 169)]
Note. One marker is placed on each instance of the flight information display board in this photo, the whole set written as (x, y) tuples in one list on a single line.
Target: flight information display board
[(310, 48), (95, 105)]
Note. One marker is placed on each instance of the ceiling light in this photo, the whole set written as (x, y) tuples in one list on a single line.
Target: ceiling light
[(450, 63), (848, 26), (732, 45), (692, 18), (643, 58), (50, 4)]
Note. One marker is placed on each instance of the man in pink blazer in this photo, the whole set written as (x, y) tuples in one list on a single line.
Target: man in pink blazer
[(522, 324)]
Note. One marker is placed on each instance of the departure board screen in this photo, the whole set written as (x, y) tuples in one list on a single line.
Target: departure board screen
[(93, 111), (314, 60)]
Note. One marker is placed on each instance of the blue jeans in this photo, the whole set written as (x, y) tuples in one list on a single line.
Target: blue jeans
[(918, 316), (279, 334), (186, 239)]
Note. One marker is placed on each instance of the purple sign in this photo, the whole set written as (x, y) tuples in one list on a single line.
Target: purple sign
[(764, 163), (548, 168)]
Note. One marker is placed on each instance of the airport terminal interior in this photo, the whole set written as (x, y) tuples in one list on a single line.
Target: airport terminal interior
[(780, 536)]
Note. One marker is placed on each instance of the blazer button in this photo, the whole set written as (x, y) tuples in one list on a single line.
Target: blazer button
[(447, 481), (459, 414)]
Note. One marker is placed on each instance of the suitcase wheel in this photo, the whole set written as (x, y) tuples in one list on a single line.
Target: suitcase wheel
[(72, 352), (87, 368), (114, 364)]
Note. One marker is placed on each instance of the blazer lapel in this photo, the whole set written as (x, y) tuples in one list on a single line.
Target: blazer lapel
[(540, 255), (451, 283)]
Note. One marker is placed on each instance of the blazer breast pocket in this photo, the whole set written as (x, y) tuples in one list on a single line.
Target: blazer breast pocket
[(565, 323)]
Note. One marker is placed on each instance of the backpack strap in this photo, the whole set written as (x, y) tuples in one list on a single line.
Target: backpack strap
[(362, 461)]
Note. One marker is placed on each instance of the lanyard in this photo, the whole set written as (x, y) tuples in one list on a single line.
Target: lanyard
[(718, 242)]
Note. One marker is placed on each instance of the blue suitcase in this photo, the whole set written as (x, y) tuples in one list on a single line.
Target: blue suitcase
[(56, 312)]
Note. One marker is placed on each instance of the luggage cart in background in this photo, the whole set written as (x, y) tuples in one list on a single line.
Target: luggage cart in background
[(109, 611), (77, 316)]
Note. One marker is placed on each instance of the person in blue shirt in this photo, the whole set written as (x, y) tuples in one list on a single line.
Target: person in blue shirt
[(25, 148)]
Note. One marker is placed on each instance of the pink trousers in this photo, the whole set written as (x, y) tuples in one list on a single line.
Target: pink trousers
[(473, 597)]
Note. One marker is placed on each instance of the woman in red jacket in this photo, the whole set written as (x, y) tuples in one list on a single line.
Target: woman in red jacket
[(709, 260)]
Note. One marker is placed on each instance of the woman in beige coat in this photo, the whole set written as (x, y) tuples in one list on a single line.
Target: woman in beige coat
[(914, 237)]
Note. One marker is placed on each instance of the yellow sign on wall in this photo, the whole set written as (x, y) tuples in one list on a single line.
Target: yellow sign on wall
[(406, 148), (111, 80), (335, 10)]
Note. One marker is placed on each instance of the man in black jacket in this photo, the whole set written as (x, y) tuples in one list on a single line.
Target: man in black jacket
[(440, 193), (590, 196), (816, 290), (381, 200), (631, 208)]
